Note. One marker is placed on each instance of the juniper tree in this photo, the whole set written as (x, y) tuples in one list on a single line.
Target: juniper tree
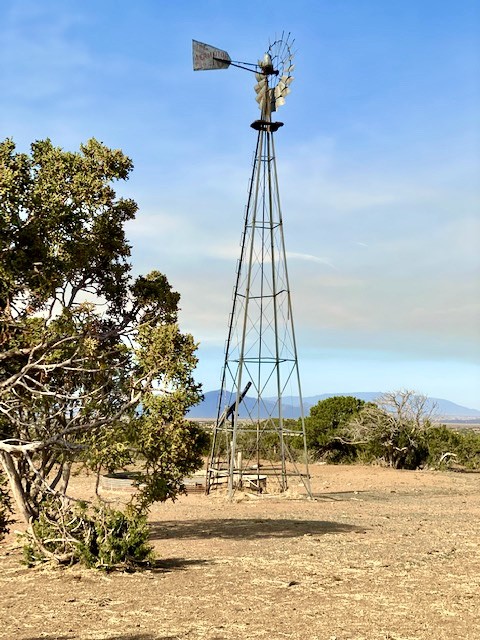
[(93, 365)]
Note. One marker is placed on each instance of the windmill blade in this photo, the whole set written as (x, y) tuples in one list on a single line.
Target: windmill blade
[(281, 90), (262, 84), (206, 57), (261, 98)]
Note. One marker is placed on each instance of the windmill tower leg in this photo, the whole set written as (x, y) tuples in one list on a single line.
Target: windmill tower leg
[(254, 445)]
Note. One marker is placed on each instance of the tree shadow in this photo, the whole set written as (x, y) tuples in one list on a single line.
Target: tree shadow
[(249, 529), (166, 565)]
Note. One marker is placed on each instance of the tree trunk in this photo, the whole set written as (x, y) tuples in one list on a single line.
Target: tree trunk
[(18, 493), (63, 484)]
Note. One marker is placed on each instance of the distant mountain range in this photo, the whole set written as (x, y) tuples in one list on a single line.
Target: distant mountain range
[(445, 410)]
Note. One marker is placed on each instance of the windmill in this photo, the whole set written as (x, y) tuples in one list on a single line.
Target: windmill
[(254, 445)]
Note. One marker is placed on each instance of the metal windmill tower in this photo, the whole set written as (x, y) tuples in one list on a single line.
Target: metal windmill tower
[(252, 438)]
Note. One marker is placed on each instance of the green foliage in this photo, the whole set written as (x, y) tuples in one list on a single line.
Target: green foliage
[(60, 220), (173, 453), (93, 365), (325, 424), (441, 442), (448, 446), (94, 536), (5, 506), (468, 450)]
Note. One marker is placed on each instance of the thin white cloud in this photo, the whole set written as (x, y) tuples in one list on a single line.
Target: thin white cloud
[(151, 227), (309, 258)]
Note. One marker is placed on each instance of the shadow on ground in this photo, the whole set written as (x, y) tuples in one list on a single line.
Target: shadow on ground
[(338, 496), (237, 528), (128, 636), (172, 564)]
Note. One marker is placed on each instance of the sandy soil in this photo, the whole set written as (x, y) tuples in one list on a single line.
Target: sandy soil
[(379, 554)]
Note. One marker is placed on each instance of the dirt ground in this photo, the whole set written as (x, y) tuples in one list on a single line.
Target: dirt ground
[(378, 554)]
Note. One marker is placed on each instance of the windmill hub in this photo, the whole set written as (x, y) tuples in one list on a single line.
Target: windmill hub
[(266, 67)]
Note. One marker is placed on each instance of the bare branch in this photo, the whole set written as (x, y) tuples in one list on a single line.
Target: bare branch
[(21, 448)]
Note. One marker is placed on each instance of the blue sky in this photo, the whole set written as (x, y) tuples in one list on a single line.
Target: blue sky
[(379, 165)]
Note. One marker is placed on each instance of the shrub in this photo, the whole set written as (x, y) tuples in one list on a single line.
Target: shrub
[(95, 536), (448, 445), (394, 429), (324, 428), (468, 450)]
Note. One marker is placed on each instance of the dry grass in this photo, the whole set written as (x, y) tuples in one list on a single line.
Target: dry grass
[(380, 554)]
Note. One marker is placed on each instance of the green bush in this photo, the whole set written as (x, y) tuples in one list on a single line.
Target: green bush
[(325, 425), (412, 450), (96, 537), (447, 445), (468, 450)]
